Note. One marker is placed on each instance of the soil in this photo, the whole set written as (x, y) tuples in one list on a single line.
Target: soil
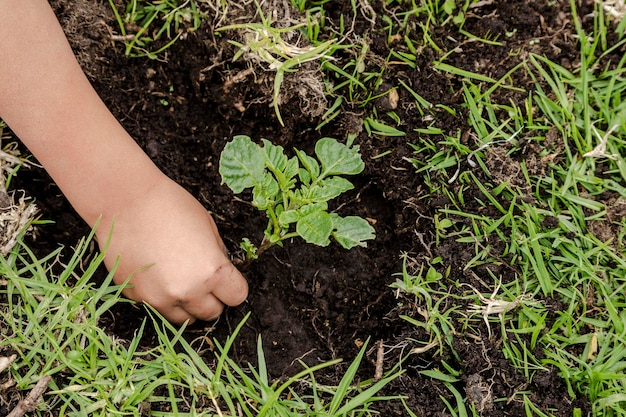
[(314, 303)]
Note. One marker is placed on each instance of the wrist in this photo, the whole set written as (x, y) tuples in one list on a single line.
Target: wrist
[(112, 193)]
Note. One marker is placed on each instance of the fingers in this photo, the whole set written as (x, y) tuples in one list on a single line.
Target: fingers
[(189, 276), (178, 316), (226, 282), (228, 285), (173, 312), (204, 301), (230, 288), (225, 286), (206, 308)]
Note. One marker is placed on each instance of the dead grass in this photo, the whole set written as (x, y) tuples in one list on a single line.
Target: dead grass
[(16, 212)]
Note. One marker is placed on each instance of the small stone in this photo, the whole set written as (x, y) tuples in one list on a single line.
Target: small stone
[(389, 101)]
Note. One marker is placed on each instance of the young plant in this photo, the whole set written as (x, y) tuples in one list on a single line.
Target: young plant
[(294, 192)]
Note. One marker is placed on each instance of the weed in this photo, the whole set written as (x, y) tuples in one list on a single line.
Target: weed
[(173, 19), (431, 302), (266, 44), (544, 216), (376, 127), (17, 213)]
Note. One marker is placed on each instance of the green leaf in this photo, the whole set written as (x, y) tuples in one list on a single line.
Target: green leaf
[(275, 157), (283, 169), (449, 6), (312, 207), (315, 228), (351, 231), (310, 164), (249, 248), (292, 168), (438, 375), (329, 188), (304, 175), (381, 129), (288, 217), (242, 164), (264, 193), (275, 238), (291, 216), (297, 197), (337, 158)]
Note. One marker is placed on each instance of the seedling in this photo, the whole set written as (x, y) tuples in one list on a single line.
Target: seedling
[(294, 192)]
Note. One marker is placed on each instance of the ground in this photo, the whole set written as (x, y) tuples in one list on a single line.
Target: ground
[(313, 303)]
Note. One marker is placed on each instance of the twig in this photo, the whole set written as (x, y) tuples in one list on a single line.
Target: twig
[(29, 404), (380, 359), (122, 38), (368, 12), (5, 361), (493, 305), (480, 4)]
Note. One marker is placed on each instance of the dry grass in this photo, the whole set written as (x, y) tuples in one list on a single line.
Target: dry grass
[(16, 213)]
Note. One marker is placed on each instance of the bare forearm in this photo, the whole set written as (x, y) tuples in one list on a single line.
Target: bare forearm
[(49, 103)]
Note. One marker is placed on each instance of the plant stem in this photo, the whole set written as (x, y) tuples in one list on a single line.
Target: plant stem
[(243, 264), (274, 222)]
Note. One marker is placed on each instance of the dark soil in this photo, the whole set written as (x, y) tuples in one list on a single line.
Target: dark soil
[(308, 302)]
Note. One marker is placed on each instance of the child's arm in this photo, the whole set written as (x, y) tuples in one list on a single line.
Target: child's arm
[(48, 102)]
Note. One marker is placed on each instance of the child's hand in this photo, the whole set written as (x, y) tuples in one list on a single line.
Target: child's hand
[(170, 245), (49, 103)]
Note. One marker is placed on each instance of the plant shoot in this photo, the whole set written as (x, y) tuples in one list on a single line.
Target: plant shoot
[(294, 192)]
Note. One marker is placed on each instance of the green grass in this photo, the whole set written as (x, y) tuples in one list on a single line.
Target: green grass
[(545, 217), (157, 25), (52, 324)]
